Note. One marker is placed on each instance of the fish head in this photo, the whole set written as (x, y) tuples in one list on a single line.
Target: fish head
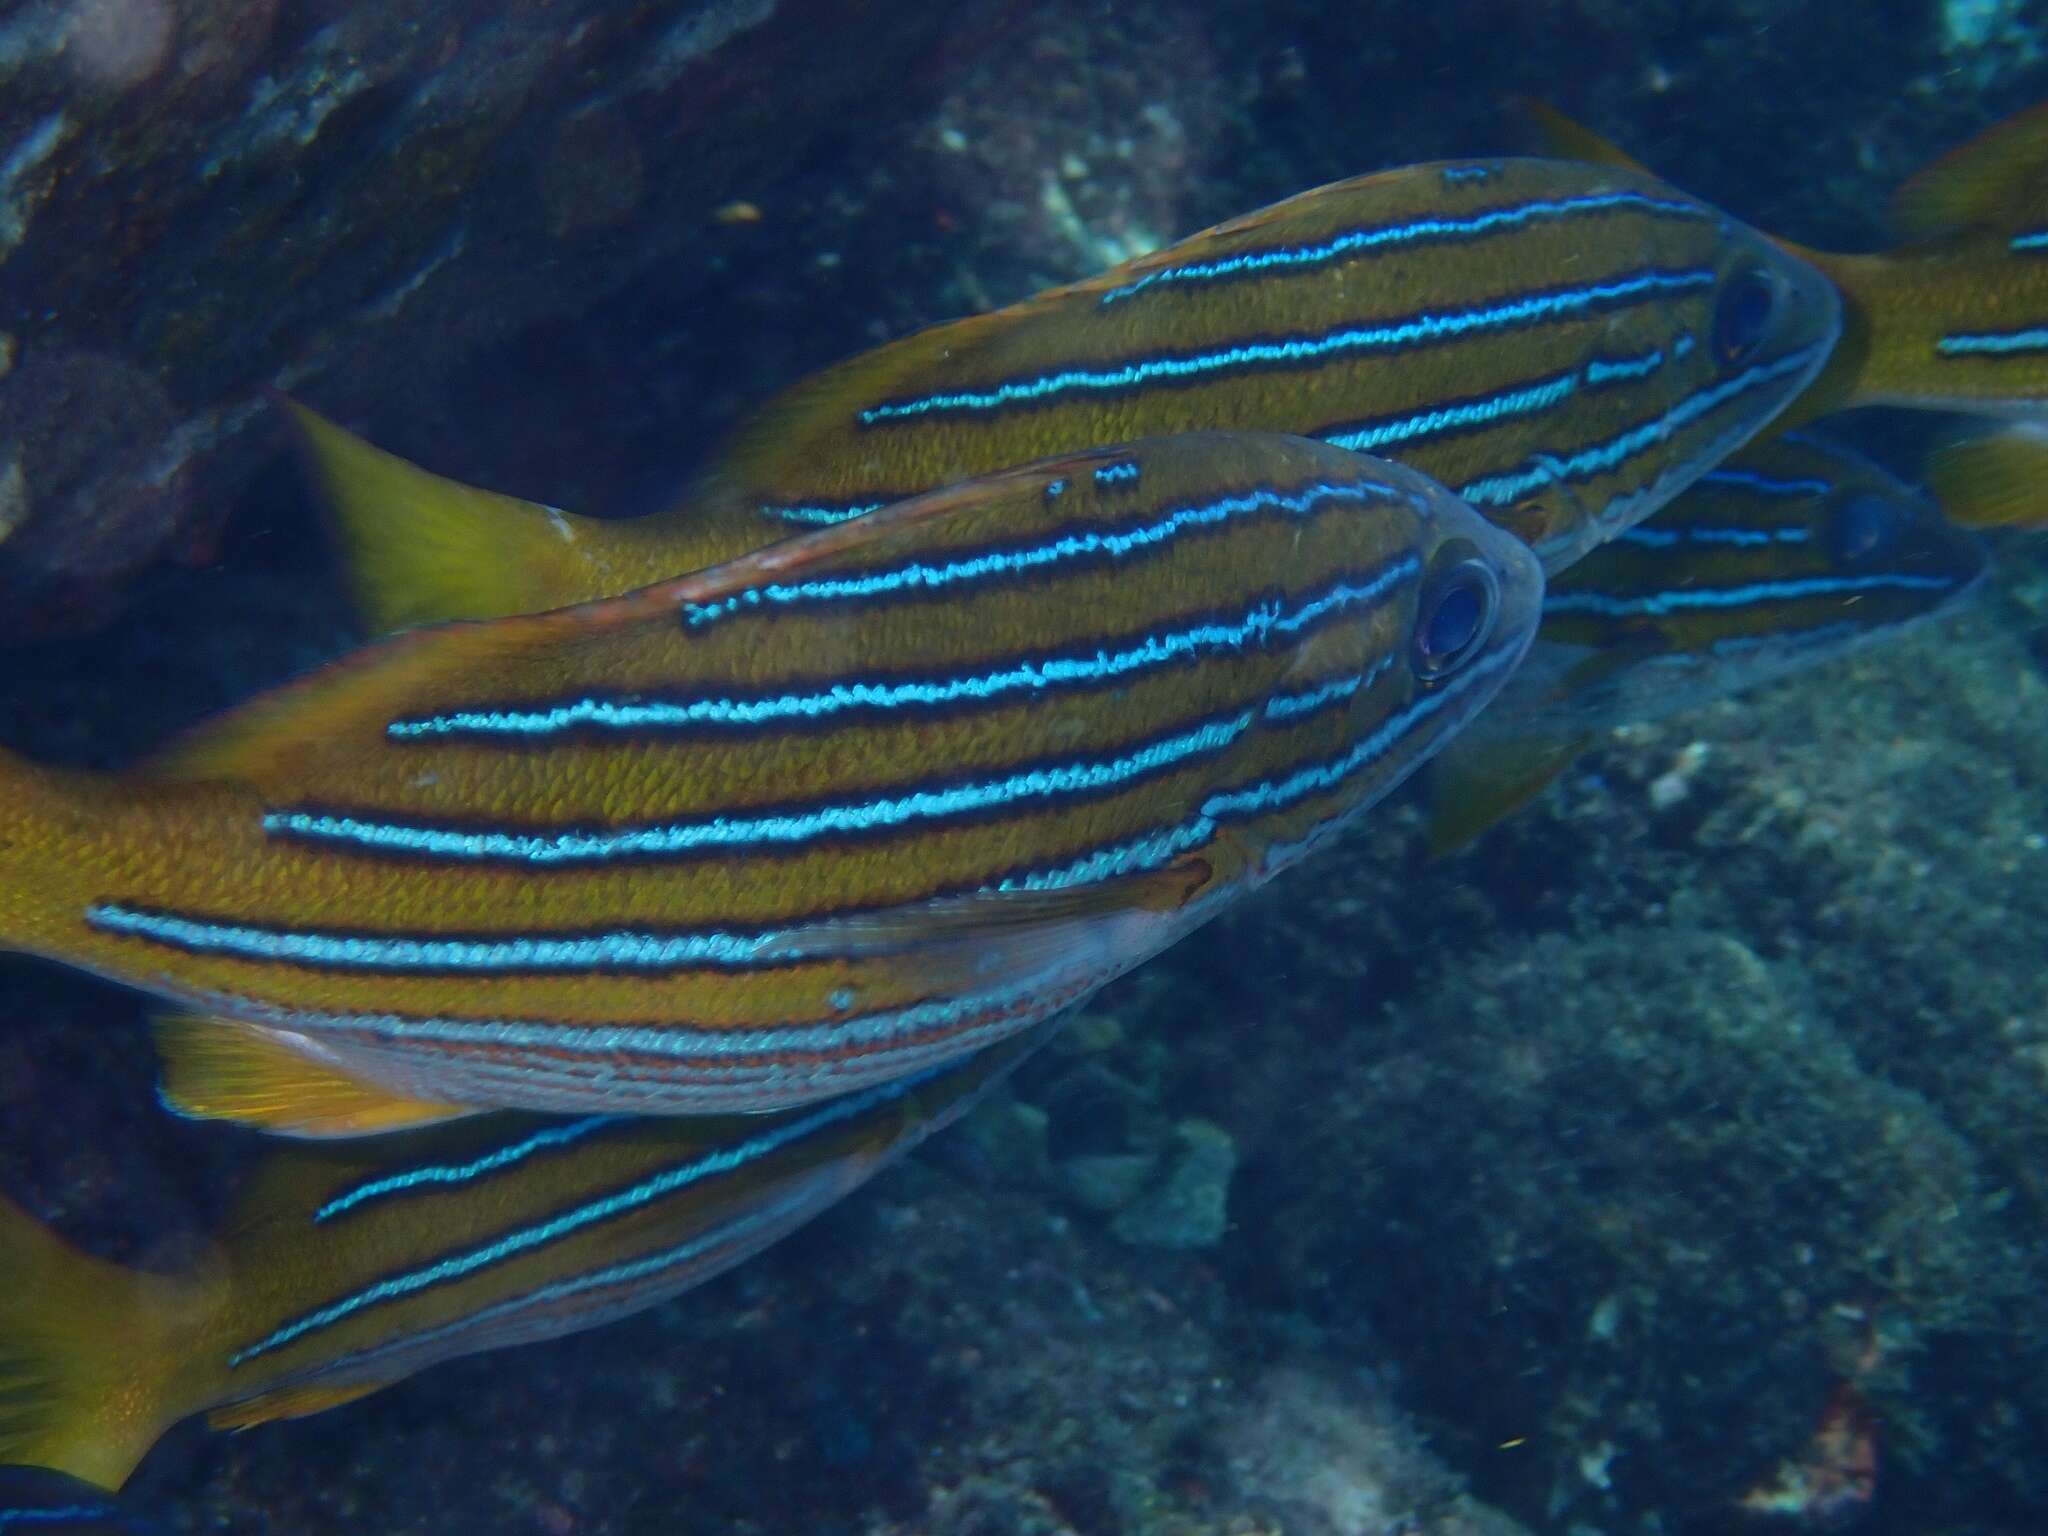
[(1662, 391), (1792, 552), (1457, 633)]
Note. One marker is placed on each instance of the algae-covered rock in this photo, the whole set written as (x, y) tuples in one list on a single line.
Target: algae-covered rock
[(1629, 1205)]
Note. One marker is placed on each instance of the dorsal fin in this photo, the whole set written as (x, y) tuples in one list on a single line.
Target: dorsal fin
[(296, 1402), (1569, 140), (1998, 181), (422, 549)]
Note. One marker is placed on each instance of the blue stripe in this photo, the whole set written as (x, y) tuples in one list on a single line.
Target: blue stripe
[(921, 576), (1124, 471), (539, 1234), (1430, 228), (440, 1175), (1024, 675), (623, 950), (1766, 485), (1453, 416), (1461, 175), (818, 515), (54, 1514), (1975, 343), (1736, 597), (1392, 335), (2033, 240), (775, 1217), (1270, 795), (1650, 536), (1603, 457), (1292, 706), (721, 833), (1605, 370)]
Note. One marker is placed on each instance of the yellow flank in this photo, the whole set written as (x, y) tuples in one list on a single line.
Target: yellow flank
[(340, 1272), (854, 803)]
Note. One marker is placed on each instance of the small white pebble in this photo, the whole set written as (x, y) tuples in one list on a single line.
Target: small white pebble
[(1668, 790)]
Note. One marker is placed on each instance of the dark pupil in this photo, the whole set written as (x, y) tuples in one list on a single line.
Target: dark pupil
[(1744, 317), (1456, 620)]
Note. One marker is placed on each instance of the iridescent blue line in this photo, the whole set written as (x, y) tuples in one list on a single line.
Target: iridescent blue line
[(539, 1234), (2033, 240), (437, 1175), (1976, 343), (1766, 485), (1393, 335), (1605, 370), (1292, 706), (817, 515), (1270, 795), (623, 950), (720, 833), (922, 576), (1430, 228), (1124, 470), (1737, 597), (1460, 175), (1025, 675), (741, 1232), (1651, 537), (1603, 457), (1456, 416)]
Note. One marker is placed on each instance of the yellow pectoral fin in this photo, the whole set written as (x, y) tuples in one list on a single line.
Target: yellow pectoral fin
[(1473, 788), (1997, 181), (290, 1403), (217, 1069), (1569, 140), (1993, 479), (422, 549)]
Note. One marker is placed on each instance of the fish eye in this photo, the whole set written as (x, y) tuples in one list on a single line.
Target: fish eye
[(1863, 526), (1743, 312), (1460, 601)]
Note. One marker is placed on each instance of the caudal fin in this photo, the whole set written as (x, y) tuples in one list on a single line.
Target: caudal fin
[(89, 1354)]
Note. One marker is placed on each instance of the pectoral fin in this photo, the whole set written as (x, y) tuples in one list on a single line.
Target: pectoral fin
[(1993, 479), (217, 1069), (1472, 787)]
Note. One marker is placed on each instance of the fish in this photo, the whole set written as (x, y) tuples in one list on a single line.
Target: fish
[(869, 798), (1955, 318), (345, 1267), (1565, 346), (1794, 552)]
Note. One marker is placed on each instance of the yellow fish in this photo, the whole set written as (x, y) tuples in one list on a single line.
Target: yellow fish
[(859, 802), (1565, 346), (341, 1271)]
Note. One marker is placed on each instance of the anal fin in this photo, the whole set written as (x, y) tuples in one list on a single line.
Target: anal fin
[(290, 1403), (218, 1069)]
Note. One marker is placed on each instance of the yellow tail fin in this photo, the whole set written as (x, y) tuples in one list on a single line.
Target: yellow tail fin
[(89, 1353)]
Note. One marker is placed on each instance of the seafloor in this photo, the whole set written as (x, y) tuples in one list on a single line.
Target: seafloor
[(1558, 1186)]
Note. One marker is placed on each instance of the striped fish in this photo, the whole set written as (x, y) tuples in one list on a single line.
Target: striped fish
[(1954, 319), (1565, 346), (1791, 553), (820, 816), (338, 1275)]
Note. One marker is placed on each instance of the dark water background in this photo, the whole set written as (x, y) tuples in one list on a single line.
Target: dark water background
[(1558, 1186)]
